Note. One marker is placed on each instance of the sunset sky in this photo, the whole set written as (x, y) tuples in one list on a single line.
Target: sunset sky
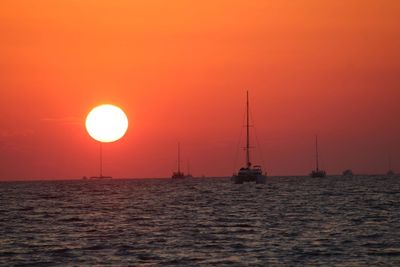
[(180, 71)]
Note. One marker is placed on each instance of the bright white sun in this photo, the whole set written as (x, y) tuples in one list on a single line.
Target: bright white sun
[(106, 123)]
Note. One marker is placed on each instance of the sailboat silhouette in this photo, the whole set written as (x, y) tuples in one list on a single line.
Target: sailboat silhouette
[(179, 174), (317, 172), (249, 173)]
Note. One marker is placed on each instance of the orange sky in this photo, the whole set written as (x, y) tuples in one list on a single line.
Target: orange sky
[(180, 70)]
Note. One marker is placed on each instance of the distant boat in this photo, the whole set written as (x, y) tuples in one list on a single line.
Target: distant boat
[(249, 173), (347, 173), (179, 174), (100, 177), (317, 173), (188, 174), (390, 172)]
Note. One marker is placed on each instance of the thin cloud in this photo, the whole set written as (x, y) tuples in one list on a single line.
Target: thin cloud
[(64, 120), (4, 134), (8, 138)]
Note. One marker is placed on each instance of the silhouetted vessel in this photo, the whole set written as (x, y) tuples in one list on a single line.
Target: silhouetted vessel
[(179, 174), (249, 173), (390, 172), (347, 173), (101, 176), (317, 173), (188, 174)]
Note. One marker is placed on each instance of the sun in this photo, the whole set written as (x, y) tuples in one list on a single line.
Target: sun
[(106, 123)]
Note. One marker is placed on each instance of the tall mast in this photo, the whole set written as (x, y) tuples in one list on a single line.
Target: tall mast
[(179, 157), (101, 159), (390, 162), (248, 133), (316, 150)]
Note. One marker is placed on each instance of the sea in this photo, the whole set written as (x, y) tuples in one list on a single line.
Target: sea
[(290, 221)]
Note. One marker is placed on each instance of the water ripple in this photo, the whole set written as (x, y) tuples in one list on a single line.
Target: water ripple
[(289, 221)]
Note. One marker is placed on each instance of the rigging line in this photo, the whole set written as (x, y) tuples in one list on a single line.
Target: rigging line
[(239, 141), (257, 141), (321, 162)]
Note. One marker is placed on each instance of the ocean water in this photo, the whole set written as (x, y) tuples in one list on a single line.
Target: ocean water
[(201, 222)]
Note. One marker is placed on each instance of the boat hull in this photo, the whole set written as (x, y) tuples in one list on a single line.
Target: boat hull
[(318, 174), (390, 173), (180, 175), (258, 179), (100, 177), (347, 173)]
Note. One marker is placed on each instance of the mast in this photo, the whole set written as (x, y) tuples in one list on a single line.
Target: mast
[(316, 150), (179, 157), (248, 164), (101, 159)]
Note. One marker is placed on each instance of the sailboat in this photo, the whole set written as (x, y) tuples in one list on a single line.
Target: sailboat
[(390, 172), (249, 173), (101, 176), (348, 173), (178, 174), (317, 172), (188, 174)]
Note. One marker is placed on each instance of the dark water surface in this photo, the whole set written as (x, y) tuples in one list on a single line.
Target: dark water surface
[(288, 221)]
